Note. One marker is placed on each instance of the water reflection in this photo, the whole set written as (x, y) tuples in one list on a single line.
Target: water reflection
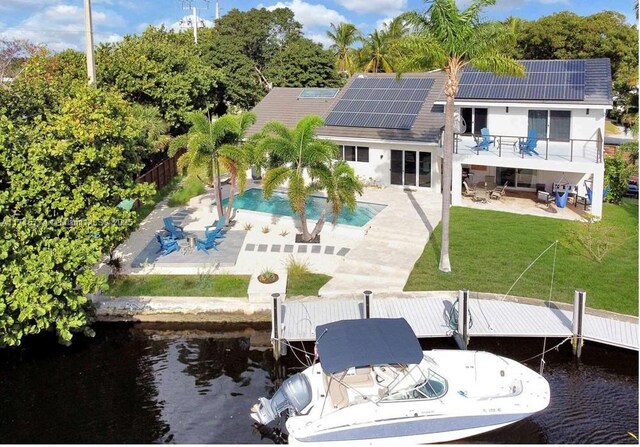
[(195, 384)]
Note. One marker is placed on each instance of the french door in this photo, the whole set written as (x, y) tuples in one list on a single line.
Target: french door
[(410, 168)]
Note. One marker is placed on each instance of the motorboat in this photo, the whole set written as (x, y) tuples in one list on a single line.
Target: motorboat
[(373, 384)]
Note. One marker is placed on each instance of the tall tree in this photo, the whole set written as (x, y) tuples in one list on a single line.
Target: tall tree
[(375, 54), (204, 142), (160, 68), (450, 38), (62, 173), (302, 156), (343, 37)]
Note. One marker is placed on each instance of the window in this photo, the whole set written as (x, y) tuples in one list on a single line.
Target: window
[(362, 154), (552, 124), (349, 153), (433, 388), (354, 153)]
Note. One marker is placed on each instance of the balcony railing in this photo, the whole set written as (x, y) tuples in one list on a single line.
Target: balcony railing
[(576, 149)]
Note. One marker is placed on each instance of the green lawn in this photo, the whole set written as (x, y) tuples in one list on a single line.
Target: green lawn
[(306, 284), (489, 250), (180, 285)]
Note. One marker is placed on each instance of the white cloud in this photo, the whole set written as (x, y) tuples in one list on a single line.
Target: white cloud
[(380, 24), (310, 15), (62, 26), (381, 7), (320, 38)]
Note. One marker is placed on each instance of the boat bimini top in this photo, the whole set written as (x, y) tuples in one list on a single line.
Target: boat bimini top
[(375, 341)]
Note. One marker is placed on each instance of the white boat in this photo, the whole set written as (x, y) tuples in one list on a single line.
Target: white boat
[(375, 385)]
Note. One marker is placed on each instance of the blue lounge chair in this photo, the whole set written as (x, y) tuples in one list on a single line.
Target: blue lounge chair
[(217, 229), (167, 244), (486, 140), (176, 231), (561, 200), (207, 243), (529, 145)]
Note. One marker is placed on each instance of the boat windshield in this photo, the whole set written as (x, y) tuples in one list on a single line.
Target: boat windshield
[(433, 388)]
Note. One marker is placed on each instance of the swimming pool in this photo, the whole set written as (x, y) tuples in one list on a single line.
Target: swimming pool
[(253, 200)]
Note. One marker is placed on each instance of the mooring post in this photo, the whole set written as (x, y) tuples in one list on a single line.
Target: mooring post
[(275, 326), (463, 317), (579, 301), (367, 303)]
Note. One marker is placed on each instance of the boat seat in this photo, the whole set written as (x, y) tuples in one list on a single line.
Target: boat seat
[(337, 391)]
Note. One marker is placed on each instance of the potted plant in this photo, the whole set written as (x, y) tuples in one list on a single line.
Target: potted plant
[(267, 277)]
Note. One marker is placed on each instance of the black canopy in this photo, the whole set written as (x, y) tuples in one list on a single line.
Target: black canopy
[(375, 341)]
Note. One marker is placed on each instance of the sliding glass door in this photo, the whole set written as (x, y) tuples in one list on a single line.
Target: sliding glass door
[(410, 168)]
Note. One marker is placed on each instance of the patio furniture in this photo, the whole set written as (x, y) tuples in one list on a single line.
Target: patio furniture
[(207, 243), (490, 181), (546, 198), (485, 141), (167, 244), (468, 191), (528, 146), (176, 231), (217, 229), (498, 193), (481, 195), (561, 200), (605, 191)]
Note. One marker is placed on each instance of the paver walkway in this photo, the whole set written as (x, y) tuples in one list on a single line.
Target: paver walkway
[(395, 240)]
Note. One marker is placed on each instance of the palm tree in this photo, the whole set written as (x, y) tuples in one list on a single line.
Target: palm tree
[(342, 38), (204, 142), (379, 52), (306, 164), (449, 38)]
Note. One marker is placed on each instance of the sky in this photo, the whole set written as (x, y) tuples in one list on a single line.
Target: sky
[(60, 23)]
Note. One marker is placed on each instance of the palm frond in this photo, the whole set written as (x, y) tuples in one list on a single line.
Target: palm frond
[(274, 178)]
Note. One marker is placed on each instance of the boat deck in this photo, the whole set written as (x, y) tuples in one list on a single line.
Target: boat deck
[(429, 317)]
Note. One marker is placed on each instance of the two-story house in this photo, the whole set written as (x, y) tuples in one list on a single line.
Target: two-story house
[(390, 130)]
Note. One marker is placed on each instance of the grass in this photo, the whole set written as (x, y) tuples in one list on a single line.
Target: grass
[(610, 128), (489, 250), (180, 285), (191, 187), (305, 284), (146, 208)]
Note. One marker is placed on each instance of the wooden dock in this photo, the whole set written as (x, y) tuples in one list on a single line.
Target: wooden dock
[(430, 316)]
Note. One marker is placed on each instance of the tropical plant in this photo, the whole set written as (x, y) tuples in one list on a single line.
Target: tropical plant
[(306, 164), (379, 52), (449, 38), (212, 142), (617, 171), (343, 37)]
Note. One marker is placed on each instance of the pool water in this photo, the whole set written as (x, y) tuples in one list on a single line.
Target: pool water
[(253, 200)]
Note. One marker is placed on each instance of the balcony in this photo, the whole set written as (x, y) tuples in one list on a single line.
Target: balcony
[(507, 146)]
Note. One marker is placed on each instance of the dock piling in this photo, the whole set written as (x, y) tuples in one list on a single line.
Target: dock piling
[(579, 305), (275, 324), (367, 303), (461, 335)]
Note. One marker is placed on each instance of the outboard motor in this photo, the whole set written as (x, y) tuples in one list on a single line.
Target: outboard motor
[(294, 395)]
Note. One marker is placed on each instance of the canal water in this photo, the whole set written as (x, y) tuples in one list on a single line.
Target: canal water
[(178, 383)]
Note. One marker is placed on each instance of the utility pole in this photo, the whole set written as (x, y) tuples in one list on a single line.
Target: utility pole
[(217, 9), (195, 25), (88, 32)]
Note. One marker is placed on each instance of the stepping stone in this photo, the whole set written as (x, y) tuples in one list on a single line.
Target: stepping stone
[(328, 250), (288, 248), (343, 251), (250, 247), (316, 249), (275, 247), (262, 247), (302, 248)]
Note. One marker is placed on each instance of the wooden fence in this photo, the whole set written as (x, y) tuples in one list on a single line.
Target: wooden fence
[(162, 173)]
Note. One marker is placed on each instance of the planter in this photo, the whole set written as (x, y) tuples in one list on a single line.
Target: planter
[(270, 279), (315, 240)]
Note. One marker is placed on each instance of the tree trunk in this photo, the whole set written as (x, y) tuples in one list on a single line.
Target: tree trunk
[(232, 190), (218, 187), (451, 89), (306, 236), (319, 224)]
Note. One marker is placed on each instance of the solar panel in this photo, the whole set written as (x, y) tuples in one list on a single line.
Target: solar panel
[(544, 80), (380, 103), (317, 93)]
